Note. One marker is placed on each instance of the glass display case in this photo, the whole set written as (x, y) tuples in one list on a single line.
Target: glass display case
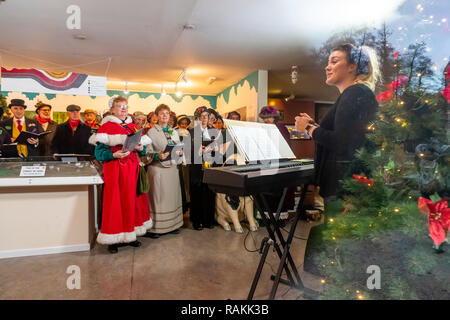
[(46, 172), (47, 206)]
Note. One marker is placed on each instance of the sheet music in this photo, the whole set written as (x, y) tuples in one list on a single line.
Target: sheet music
[(258, 141), (257, 145)]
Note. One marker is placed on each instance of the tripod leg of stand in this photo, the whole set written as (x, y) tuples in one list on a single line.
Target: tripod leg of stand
[(274, 222), (287, 247), (260, 202), (268, 243)]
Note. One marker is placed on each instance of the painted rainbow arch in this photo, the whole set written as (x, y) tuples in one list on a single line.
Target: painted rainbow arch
[(58, 81)]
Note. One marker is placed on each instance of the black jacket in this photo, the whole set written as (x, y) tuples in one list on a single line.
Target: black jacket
[(66, 142), (195, 167), (31, 126), (46, 141), (341, 132)]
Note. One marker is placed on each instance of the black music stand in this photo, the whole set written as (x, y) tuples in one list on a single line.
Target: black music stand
[(274, 231)]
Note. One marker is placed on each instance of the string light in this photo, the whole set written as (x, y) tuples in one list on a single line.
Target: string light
[(360, 297), (322, 281), (444, 20), (397, 210), (178, 92)]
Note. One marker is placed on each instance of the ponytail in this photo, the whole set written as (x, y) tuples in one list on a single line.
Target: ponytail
[(367, 61)]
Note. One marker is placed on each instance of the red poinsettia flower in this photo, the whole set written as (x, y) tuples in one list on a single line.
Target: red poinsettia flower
[(446, 93), (438, 218), (363, 180), (385, 95), (400, 82), (395, 55)]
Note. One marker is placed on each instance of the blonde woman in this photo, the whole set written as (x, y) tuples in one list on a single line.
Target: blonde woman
[(354, 71), (165, 191)]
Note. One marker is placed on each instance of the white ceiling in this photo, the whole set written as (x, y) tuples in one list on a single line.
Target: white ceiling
[(148, 46)]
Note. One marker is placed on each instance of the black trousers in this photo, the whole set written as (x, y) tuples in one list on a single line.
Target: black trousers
[(203, 205)]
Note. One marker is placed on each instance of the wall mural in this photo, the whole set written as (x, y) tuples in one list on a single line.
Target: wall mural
[(243, 94)]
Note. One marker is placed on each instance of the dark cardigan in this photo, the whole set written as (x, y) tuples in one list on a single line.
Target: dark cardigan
[(341, 132)]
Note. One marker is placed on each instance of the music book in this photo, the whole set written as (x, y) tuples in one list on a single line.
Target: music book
[(259, 141), (9, 150), (132, 141), (24, 135), (170, 147), (206, 143)]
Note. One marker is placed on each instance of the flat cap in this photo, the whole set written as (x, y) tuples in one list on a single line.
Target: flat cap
[(73, 107)]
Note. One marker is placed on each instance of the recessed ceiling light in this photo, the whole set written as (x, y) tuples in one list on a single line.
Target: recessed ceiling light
[(79, 36), (189, 26)]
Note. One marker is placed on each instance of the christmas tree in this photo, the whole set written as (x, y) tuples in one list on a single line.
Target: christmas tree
[(406, 158)]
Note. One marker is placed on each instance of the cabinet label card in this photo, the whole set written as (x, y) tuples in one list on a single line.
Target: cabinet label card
[(32, 171)]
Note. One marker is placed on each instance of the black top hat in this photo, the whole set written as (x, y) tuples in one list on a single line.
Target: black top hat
[(17, 102)]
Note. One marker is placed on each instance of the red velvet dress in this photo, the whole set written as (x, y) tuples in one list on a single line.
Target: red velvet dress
[(125, 214)]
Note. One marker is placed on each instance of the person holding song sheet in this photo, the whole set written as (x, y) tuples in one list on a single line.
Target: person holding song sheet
[(202, 147), (125, 213), (46, 124), (72, 136), (18, 124), (165, 191)]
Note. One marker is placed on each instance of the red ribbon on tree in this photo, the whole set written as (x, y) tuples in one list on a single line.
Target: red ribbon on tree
[(438, 215), (363, 180)]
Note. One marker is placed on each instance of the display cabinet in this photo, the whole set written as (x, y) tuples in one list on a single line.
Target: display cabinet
[(47, 206)]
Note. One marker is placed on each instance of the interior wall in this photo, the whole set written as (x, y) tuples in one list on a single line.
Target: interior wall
[(290, 109), (243, 94)]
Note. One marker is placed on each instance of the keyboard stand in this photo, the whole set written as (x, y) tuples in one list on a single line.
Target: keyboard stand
[(282, 246)]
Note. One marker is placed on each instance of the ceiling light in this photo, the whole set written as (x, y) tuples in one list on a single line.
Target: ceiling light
[(178, 92), (79, 36), (292, 96), (188, 26), (211, 80), (185, 78), (294, 74)]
